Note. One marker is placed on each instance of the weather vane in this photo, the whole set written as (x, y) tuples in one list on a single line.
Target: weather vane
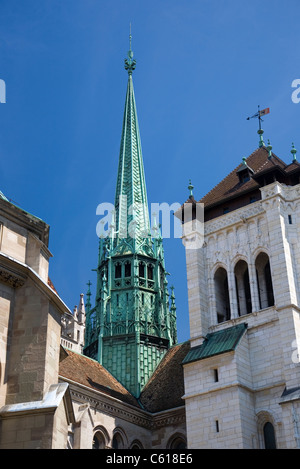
[(259, 114)]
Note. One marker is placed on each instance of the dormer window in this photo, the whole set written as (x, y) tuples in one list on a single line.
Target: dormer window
[(244, 172), (245, 177)]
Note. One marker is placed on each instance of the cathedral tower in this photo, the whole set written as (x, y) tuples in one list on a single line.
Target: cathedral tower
[(132, 323), (242, 375)]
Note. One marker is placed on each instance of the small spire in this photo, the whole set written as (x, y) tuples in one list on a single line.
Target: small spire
[(81, 310), (294, 151), (130, 62), (190, 188), (269, 148), (88, 296)]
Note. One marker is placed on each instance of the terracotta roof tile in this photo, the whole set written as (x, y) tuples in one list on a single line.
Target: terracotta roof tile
[(88, 372), (51, 285), (231, 186)]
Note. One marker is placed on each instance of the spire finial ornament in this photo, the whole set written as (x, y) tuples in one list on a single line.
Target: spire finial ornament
[(130, 62), (294, 151), (190, 188), (269, 148)]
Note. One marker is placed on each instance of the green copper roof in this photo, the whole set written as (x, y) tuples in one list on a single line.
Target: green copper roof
[(216, 343), (131, 206)]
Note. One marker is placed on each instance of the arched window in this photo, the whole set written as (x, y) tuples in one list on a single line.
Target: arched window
[(269, 436), (118, 270), (117, 442), (136, 444), (177, 441), (222, 295), (242, 288), (98, 441), (264, 281), (150, 271)]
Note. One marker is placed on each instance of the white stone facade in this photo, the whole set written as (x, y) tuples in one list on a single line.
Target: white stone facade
[(259, 381)]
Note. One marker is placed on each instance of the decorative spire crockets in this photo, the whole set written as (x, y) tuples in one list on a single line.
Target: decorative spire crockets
[(133, 322)]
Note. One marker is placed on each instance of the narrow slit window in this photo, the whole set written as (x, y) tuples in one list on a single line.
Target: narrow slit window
[(118, 270), (127, 269), (217, 426), (216, 375), (290, 219), (142, 270), (150, 271)]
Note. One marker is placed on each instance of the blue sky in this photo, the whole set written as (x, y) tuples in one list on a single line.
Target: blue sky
[(203, 66)]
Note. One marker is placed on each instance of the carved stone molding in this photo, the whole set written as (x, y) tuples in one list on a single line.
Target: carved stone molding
[(10, 278), (237, 216)]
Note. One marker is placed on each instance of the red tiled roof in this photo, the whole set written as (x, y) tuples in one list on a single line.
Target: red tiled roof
[(231, 186), (51, 285), (88, 372)]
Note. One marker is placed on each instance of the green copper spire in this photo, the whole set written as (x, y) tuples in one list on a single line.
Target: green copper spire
[(132, 217), (133, 322)]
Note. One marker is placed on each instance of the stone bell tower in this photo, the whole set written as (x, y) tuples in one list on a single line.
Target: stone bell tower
[(242, 374)]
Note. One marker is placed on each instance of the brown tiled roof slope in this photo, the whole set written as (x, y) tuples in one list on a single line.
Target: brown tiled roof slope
[(230, 186), (51, 285), (88, 372), (165, 388)]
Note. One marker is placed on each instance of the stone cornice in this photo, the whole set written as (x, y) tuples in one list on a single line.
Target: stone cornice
[(22, 218), (116, 408), (17, 272)]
